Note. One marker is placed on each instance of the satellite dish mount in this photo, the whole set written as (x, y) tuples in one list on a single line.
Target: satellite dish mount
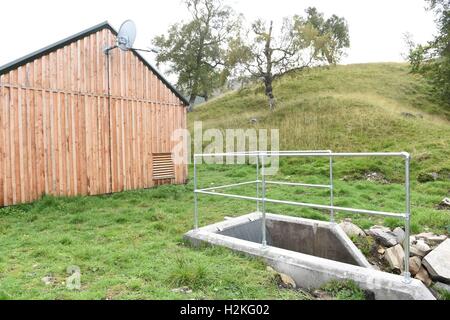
[(125, 38)]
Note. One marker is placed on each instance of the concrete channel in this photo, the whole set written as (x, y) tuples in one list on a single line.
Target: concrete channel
[(311, 252)]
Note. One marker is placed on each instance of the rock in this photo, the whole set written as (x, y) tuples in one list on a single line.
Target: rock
[(427, 177), (376, 177), (381, 227), (438, 262), (431, 239), (442, 286), (408, 115), (395, 257), (284, 280), (423, 276), (400, 234), (385, 238), (424, 235), (420, 249), (381, 250), (271, 270), (287, 282), (48, 280), (351, 229), (322, 295), (445, 204), (253, 121), (436, 240), (414, 265), (185, 290)]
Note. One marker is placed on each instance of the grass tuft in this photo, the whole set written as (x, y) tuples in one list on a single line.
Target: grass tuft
[(344, 290)]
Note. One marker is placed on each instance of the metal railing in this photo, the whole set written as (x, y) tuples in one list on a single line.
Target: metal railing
[(261, 183)]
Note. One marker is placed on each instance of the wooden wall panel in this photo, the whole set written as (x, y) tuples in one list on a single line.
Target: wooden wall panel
[(60, 136)]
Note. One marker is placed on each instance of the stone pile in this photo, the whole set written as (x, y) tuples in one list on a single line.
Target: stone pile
[(429, 257)]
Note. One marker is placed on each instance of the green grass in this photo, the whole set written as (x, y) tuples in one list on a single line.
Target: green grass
[(344, 290), (443, 294), (129, 245)]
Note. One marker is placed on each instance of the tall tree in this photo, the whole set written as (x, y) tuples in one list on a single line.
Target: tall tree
[(196, 50), (300, 42), (331, 35), (433, 59)]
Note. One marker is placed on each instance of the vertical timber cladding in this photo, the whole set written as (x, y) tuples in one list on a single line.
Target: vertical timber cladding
[(59, 136)]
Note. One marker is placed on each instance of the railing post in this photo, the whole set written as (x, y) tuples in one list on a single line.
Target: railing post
[(257, 183), (408, 218), (331, 189), (195, 195), (263, 220)]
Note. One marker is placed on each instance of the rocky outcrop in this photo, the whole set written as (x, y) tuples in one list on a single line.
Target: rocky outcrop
[(431, 239), (419, 248), (395, 256), (415, 263), (445, 204), (429, 259), (423, 276), (400, 234), (438, 262), (350, 229), (384, 237), (283, 280)]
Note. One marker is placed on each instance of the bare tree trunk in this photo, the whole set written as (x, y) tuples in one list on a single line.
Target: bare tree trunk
[(268, 77), (191, 102)]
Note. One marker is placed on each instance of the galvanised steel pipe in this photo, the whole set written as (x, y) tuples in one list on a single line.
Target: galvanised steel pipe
[(257, 183), (311, 154), (323, 186), (331, 190), (263, 222), (230, 185), (306, 205), (408, 219), (331, 207), (195, 196)]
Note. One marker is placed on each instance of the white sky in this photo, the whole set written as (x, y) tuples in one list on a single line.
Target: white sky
[(376, 26)]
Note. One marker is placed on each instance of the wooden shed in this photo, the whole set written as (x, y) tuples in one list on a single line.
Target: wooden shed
[(66, 130)]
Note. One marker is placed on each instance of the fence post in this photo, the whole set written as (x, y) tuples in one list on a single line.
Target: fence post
[(331, 189), (195, 195), (257, 183), (408, 218), (263, 221)]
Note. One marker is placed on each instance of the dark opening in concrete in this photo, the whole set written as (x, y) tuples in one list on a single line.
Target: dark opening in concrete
[(312, 239)]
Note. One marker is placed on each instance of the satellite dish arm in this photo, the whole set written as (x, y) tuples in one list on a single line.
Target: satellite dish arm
[(108, 49), (146, 50)]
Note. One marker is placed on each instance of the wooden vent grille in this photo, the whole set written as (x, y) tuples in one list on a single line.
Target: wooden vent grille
[(163, 167)]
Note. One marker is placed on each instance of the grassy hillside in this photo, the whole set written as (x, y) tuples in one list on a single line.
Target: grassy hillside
[(367, 107), (129, 245), (356, 107)]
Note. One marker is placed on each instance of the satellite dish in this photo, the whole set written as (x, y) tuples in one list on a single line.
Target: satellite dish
[(127, 35), (125, 39)]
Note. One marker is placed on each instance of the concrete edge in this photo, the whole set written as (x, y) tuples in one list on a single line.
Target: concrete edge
[(313, 271)]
